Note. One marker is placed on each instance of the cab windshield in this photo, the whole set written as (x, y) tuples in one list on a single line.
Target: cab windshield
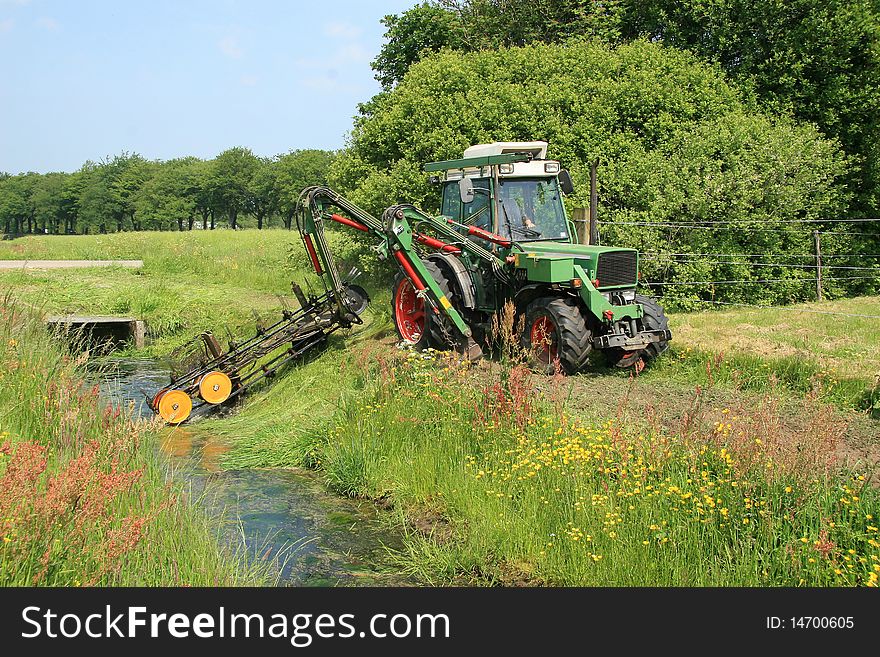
[(531, 210)]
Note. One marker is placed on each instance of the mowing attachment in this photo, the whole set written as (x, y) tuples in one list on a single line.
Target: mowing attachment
[(174, 406), (217, 376)]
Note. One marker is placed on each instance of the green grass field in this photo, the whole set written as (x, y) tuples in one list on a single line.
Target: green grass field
[(190, 282), (746, 456)]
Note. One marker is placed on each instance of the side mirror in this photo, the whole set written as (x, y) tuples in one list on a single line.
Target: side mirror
[(565, 183), (466, 190)]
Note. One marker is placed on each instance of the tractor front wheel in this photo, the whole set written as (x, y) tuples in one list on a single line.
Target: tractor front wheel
[(556, 330)]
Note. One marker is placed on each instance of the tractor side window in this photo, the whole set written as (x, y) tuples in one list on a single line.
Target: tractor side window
[(476, 213), (451, 206)]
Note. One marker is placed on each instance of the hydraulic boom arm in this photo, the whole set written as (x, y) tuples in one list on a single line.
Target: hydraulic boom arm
[(401, 227)]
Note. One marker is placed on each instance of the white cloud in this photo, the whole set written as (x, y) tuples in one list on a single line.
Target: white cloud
[(342, 30), (230, 47), (6, 25), (48, 24)]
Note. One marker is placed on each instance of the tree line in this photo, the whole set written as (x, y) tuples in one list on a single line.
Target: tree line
[(129, 192)]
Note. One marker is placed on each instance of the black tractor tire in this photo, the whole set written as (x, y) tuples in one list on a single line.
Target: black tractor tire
[(653, 318), (563, 323), (431, 334)]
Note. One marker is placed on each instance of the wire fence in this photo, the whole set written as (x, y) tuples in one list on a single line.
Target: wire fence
[(864, 266)]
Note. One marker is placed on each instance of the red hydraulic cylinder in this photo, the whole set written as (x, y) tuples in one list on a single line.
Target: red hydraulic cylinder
[(483, 234), (435, 243), (348, 222), (312, 255), (409, 271)]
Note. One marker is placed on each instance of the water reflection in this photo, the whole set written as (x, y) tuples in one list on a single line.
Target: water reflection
[(285, 516)]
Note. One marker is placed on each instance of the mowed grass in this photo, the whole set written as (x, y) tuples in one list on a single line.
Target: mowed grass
[(841, 335), (83, 496)]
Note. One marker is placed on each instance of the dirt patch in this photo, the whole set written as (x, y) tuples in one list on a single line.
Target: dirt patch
[(432, 524)]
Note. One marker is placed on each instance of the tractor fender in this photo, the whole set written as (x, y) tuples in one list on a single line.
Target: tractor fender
[(528, 293), (455, 269)]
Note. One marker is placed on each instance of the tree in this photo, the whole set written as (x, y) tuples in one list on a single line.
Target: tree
[(425, 28), (97, 206), (818, 60), (128, 173), (815, 60), (232, 173), (16, 203), (166, 200), (203, 191), (49, 202), (262, 200), (295, 171)]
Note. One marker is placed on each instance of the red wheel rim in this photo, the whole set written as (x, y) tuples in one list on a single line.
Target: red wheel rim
[(542, 337), (409, 312)]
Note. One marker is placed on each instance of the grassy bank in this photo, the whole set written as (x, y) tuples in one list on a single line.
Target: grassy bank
[(504, 476), (83, 498)]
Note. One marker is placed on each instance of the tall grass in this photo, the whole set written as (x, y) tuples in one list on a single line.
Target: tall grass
[(502, 481), (83, 498)]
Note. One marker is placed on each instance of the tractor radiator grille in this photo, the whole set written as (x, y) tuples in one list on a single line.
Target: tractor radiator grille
[(618, 268)]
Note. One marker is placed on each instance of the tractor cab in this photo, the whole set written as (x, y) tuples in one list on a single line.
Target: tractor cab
[(509, 189)]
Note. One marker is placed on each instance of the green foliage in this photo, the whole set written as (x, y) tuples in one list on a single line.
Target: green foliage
[(818, 60), (424, 28), (127, 192), (233, 171), (486, 24), (815, 60), (296, 170)]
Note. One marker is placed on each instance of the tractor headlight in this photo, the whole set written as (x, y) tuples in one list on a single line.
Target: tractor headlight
[(628, 295), (505, 168), (551, 167)]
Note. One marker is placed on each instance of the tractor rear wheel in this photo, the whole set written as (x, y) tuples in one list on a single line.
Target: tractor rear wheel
[(653, 318), (412, 315), (556, 330)]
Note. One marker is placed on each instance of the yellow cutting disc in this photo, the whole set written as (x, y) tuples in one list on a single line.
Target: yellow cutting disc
[(175, 406), (215, 387)]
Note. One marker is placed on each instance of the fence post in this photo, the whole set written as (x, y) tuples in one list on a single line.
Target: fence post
[(594, 204), (819, 295), (581, 225)]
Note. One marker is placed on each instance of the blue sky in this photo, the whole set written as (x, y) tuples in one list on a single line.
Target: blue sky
[(91, 78)]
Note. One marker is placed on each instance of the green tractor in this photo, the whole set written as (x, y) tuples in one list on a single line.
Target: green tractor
[(503, 238)]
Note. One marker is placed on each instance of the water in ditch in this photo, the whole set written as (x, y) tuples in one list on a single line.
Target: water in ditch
[(287, 517)]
